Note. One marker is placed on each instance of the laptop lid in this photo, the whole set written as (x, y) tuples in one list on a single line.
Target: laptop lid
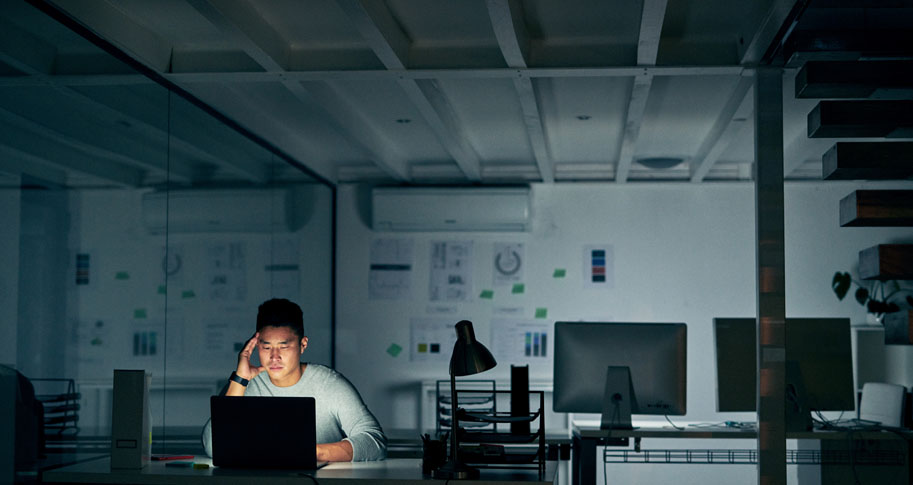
[(264, 432)]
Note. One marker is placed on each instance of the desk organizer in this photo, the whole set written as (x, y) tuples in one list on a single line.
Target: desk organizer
[(498, 447)]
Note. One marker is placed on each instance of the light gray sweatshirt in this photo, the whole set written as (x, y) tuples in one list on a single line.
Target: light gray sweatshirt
[(341, 414)]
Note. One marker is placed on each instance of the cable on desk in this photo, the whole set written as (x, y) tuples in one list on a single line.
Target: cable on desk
[(680, 428)]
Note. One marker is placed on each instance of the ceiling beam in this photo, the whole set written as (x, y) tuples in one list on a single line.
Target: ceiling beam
[(651, 29), (513, 39), (763, 29), (114, 154), (245, 27), (729, 123), (111, 23), (637, 105), (651, 26), (64, 157), (33, 60), (18, 162), (373, 75), (391, 45), (338, 106)]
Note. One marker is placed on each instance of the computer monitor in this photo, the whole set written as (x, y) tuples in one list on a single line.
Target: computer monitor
[(619, 369), (819, 347)]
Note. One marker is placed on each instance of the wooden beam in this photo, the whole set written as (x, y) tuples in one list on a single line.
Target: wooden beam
[(18, 162), (651, 26), (877, 208), (651, 29), (391, 45), (245, 27), (858, 119), (637, 104), (855, 79), (61, 156), (886, 262), (120, 29), (762, 32), (725, 130), (507, 22), (845, 45), (868, 161), (348, 119)]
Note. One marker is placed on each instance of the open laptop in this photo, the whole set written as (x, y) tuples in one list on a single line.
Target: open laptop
[(264, 432)]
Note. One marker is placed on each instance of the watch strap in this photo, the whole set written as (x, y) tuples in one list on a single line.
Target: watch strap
[(240, 380)]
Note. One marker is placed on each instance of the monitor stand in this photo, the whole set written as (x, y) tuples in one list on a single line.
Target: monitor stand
[(618, 399)]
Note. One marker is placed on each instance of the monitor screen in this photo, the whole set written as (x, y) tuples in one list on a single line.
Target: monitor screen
[(655, 353), (820, 346)]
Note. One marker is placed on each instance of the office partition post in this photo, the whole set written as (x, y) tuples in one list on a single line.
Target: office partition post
[(771, 281)]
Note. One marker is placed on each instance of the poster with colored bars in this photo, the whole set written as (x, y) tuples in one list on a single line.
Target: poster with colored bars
[(599, 266), (522, 342)]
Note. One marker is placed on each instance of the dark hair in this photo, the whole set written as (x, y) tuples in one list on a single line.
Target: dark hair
[(280, 312)]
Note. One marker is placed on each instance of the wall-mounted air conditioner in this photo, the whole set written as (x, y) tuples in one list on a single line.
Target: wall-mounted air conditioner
[(451, 209), (227, 210)]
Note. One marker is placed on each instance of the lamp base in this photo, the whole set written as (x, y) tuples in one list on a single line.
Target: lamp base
[(454, 470)]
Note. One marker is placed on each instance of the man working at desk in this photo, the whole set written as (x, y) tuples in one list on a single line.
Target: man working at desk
[(346, 430)]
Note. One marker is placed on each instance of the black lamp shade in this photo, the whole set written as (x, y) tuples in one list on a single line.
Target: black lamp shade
[(469, 356)]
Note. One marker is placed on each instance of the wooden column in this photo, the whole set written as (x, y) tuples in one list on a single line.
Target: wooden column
[(770, 272)]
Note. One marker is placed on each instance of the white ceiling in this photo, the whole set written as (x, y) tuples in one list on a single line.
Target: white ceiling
[(416, 91)]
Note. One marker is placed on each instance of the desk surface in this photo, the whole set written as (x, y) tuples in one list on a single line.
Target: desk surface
[(593, 432), (382, 472)]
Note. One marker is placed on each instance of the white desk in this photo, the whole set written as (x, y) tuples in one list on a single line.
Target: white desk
[(393, 471), (587, 438)]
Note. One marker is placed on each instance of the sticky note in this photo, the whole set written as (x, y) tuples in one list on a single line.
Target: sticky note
[(139, 313), (394, 350), (518, 288), (122, 275), (559, 273), (487, 294), (188, 294), (162, 290), (422, 348), (541, 312)]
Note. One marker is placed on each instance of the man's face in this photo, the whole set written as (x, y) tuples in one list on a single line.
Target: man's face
[(280, 353)]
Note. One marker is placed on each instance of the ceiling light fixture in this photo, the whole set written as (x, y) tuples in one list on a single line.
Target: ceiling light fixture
[(660, 163)]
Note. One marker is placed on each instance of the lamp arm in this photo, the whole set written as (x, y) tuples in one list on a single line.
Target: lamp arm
[(454, 423)]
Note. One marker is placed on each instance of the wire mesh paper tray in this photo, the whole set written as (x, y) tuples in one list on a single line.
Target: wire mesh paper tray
[(749, 457)]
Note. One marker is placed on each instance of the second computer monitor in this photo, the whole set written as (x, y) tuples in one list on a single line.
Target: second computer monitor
[(655, 354), (820, 347)]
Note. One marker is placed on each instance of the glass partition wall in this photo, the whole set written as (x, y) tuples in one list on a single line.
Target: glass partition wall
[(140, 231)]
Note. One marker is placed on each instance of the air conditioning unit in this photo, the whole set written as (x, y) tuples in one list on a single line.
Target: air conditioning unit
[(226, 210), (451, 209)]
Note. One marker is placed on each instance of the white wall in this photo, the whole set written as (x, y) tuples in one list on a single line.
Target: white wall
[(682, 253), (9, 273)]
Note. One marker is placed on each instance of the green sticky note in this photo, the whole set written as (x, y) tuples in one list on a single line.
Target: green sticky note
[(122, 275), (541, 312), (162, 290), (518, 288), (559, 273), (139, 313), (394, 350), (188, 294), (487, 294), (422, 348)]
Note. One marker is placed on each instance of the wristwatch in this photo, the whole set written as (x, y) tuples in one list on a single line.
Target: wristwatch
[(240, 380)]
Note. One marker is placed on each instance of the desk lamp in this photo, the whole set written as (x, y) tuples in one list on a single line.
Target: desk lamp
[(469, 357)]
